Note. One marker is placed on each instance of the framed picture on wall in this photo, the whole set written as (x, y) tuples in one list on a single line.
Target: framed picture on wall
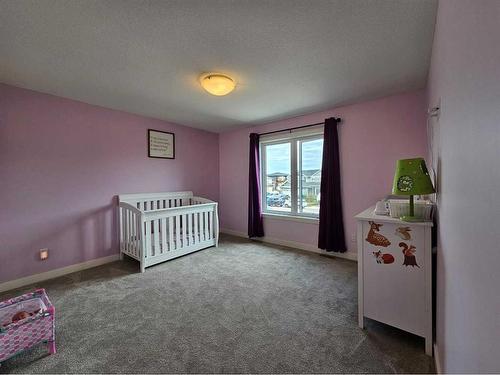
[(161, 144)]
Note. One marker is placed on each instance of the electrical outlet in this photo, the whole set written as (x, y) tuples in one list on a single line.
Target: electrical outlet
[(353, 237), (44, 254)]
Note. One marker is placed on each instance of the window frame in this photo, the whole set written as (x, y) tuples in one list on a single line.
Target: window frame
[(295, 139)]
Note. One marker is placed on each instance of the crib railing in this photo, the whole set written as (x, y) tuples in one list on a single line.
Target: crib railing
[(131, 230), (156, 201), (154, 233), (175, 228)]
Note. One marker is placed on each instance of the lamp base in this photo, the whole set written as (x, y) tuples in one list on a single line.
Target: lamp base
[(411, 218)]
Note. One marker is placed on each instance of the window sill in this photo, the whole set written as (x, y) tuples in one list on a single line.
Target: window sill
[(301, 219)]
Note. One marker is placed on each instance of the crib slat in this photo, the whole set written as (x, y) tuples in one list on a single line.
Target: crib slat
[(195, 234), (129, 235), (138, 226), (147, 239), (211, 223), (201, 226), (136, 235), (126, 234), (129, 225), (125, 231), (164, 234), (120, 214), (205, 225), (184, 230), (156, 234), (132, 233), (177, 232), (170, 233), (190, 229)]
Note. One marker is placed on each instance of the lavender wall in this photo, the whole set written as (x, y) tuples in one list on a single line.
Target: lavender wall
[(465, 74), (61, 164), (373, 136)]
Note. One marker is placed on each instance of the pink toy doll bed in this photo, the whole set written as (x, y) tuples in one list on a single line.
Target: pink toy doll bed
[(25, 321)]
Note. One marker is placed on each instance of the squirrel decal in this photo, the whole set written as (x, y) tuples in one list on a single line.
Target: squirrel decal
[(409, 253), (404, 233), (376, 238), (383, 258)]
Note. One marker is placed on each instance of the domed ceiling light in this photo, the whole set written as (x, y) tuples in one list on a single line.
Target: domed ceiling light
[(217, 83)]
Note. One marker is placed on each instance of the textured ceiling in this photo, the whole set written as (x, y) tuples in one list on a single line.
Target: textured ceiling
[(289, 57)]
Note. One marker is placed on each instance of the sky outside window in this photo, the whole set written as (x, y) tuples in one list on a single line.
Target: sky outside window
[(278, 158), (312, 153)]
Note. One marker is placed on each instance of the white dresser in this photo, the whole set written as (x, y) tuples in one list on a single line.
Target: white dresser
[(395, 273)]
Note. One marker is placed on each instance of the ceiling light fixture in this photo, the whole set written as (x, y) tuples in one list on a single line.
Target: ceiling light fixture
[(217, 83)]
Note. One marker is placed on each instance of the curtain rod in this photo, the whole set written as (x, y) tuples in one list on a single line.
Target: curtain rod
[(299, 127)]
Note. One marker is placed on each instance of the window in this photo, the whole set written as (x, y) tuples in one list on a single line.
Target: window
[(291, 173)]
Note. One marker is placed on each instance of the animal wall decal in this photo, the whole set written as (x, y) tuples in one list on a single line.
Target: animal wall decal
[(383, 258), (404, 233), (376, 238), (409, 253)]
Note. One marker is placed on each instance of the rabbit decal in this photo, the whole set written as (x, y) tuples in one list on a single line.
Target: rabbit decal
[(403, 233)]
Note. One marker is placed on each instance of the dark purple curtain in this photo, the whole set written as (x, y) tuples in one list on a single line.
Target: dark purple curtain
[(255, 223), (331, 223)]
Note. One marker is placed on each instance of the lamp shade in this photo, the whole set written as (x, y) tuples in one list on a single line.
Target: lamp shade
[(412, 178)]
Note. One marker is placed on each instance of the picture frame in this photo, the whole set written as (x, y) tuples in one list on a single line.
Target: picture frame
[(161, 144)]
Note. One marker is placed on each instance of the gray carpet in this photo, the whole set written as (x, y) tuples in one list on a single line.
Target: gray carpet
[(244, 307)]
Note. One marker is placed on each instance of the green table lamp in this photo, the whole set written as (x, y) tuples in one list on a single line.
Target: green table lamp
[(412, 178)]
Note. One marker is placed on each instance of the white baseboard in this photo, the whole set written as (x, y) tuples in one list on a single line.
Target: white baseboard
[(297, 245), (437, 360), (14, 284)]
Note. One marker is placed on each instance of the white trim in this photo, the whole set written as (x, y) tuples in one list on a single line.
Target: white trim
[(14, 284), (437, 360), (302, 219), (351, 255)]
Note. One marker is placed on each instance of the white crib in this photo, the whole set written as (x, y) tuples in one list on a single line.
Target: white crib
[(155, 227)]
